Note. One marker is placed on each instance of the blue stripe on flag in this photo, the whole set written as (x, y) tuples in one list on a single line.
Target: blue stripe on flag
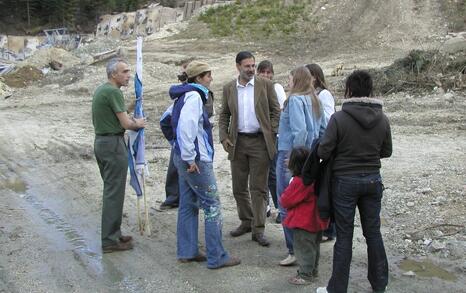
[(136, 142)]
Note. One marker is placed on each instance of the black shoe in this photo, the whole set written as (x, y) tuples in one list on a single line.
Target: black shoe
[(241, 230), (260, 238), (166, 206), (120, 246)]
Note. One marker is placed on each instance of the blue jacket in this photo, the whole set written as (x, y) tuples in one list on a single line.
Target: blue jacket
[(298, 124), (190, 122)]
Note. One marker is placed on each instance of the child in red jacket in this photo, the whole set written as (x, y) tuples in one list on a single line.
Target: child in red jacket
[(302, 216)]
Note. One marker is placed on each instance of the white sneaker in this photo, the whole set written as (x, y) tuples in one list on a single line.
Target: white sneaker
[(321, 290), (288, 261)]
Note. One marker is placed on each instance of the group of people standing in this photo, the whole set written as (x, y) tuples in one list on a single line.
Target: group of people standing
[(268, 136)]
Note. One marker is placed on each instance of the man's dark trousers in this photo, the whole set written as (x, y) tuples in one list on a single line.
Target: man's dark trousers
[(171, 184), (249, 172), (112, 157)]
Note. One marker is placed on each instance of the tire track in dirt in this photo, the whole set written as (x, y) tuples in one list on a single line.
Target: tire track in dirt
[(79, 246), (69, 213)]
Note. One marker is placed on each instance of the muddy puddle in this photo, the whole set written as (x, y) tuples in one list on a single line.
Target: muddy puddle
[(426, 268), (95, 264)]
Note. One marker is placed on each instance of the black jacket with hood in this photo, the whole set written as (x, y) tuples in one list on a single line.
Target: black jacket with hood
[(320, 173), (358, 136)]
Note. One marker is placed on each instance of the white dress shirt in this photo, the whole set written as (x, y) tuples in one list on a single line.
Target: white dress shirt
[(247, 120)]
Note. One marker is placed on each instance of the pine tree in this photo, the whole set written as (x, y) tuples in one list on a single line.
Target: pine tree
[(55, 10), (70, 12)]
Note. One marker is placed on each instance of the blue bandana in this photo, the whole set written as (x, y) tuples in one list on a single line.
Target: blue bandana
[(201, 87)]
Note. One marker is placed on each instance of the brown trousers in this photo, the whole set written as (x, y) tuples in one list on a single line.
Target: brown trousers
[(249, 172)]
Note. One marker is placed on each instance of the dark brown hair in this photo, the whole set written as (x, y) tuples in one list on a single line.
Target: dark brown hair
[(263, 65), (243, 55), (318, 75), (358, 84), (297, 158)]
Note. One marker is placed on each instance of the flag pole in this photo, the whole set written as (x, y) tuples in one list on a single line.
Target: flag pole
[(141, 227), (146, 210), (144, 225)]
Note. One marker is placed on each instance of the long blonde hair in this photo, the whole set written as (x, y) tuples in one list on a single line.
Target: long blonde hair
[(302, 85)]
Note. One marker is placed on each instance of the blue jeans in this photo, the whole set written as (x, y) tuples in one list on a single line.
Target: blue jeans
[(283, 179), (199, 190), (365, 192)]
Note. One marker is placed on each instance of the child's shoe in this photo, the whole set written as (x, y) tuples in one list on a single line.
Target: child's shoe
[(322, 290), (298, 280)]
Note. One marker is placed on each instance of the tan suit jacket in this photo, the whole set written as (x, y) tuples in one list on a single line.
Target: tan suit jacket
[(267, 111)]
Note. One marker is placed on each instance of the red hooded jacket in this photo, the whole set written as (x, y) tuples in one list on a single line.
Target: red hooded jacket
[(300, 202)]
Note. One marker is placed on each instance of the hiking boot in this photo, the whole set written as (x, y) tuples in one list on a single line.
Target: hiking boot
[(288, 261), (198, 258), (241, 230), (125, 239), (260, 238), (120, 246), (233, 261)]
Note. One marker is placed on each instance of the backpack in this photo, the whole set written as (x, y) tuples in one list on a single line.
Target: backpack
[(166, 124)]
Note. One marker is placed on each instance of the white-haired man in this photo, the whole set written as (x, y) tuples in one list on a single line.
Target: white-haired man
[(110, 121)]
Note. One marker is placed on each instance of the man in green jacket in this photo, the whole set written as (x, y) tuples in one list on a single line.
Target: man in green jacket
[(110, 121)]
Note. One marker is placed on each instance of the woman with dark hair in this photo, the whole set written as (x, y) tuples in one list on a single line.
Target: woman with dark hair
[(265, 70), (301, 122), (324, 95), (328, 103), (358, 136), (193, 157), (171, 179)]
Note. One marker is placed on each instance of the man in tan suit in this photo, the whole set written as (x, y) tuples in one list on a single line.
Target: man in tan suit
[(248, 124)]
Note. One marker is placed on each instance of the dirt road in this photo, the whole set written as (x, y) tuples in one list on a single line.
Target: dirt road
[(50, 188)]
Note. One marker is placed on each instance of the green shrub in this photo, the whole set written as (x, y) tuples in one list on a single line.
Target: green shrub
[(258, 19)]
